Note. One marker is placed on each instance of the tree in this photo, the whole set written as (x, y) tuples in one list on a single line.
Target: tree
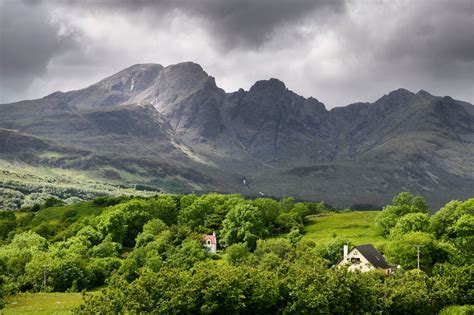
[(208, 288), (100, 269), (278, 246), (287, 203), (454, 223), (63, 270), (409, 293), (243, 224), (403, 251), (452, 285), (301, 209), (106, 248), (7, 223), (294, 236), (443, 221), (187, 254), (385, 221), (318, 207), (411, 222), (402, 204), (237, 254), (164, 208), (53, 202), (334, 251), (150, 230), (126, 220), (410, 200), (269, 208), (16, 255), (290, 220), (195, 215)]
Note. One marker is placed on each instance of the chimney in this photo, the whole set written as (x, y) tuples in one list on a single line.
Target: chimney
[(213, 233), (346, 252)]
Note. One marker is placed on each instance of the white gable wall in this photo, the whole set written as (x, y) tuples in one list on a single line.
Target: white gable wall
[(356, 261), (209, 246)]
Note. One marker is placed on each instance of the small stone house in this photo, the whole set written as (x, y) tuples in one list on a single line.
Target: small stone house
[(210, 242), (364, 258)]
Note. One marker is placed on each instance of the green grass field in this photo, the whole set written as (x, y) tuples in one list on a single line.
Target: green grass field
[(42, 303), (54, 214), (356, 226)]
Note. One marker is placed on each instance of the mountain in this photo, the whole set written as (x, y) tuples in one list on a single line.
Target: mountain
[(174, 128)]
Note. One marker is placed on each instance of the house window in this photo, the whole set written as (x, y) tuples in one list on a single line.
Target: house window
[(355, 260), (208, 242)]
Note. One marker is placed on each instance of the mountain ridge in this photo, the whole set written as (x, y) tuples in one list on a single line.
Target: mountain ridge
[(280, 142)]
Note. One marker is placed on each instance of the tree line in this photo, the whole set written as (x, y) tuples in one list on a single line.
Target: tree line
[(149, 254)]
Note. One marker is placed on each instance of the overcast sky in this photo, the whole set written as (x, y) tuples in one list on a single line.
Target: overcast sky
[(338, 51)]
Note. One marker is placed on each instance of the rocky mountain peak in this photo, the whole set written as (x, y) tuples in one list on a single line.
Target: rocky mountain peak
[(401, 93), (271, 84), (396, 98), (176, 80), (283, 143), (187, 66)]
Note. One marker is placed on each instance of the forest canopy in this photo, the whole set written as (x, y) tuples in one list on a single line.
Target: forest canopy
[(148, 254)]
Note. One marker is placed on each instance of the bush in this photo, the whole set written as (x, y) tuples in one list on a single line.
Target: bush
[(107, 201), (237, 254), (52, 202), (458, 310)]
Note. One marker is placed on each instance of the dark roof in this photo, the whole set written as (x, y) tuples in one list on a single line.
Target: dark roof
[(373, 256)]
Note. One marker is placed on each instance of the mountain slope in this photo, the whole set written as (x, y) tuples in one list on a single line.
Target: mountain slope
[(175, 125)]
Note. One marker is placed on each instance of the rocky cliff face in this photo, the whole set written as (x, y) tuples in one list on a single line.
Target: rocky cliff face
[(282, 143)]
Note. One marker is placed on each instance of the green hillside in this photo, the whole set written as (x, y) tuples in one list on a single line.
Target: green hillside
[(357, 227), (24, 186)]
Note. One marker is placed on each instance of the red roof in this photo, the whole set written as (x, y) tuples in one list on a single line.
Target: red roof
[(211, 237)]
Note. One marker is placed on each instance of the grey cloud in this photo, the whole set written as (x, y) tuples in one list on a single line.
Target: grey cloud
[(251, 23), (233, 23), (28, 42), (436, 30), (416, 45), (316, 46)]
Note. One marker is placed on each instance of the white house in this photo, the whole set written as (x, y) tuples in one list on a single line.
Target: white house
[(364, 258), (210, 242)]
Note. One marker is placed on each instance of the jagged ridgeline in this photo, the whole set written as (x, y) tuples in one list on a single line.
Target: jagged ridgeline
[(173, 129)]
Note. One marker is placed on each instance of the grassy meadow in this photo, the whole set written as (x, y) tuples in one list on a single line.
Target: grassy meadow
[(356, 226), (42, 303)]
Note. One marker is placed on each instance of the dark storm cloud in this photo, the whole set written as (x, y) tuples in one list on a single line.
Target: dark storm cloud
[(233, 23), (28, 42), (339, 51), (251, 23), (420, 45), (436, 31)]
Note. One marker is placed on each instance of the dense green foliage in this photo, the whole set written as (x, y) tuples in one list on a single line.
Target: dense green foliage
[(458, 310), (281, 278), (149, 254), (447, 236)]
